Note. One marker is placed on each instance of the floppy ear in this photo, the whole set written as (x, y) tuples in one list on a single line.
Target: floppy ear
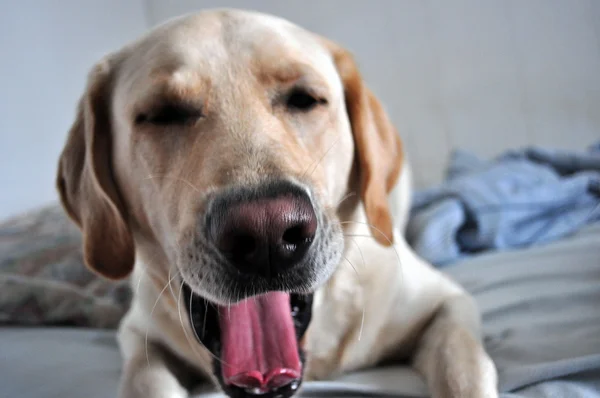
[(86, 186), (378, 146)]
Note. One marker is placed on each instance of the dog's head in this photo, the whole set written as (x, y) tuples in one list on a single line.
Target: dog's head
[(218, 149)]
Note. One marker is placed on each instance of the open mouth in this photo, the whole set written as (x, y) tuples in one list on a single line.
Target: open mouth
[(254, 342)]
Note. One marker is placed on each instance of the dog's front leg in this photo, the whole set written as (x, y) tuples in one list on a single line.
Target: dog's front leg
[(146, 372), (450, 355), (154, 380)]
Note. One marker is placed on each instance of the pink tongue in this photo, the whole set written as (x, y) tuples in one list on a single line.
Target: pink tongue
[(259, 348)]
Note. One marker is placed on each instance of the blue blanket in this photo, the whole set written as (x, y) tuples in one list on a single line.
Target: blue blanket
[(522, 198)]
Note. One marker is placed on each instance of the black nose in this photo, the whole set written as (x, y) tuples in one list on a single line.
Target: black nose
[(266, 231)]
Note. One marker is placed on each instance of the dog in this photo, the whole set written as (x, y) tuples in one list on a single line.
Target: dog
[(239, 168)]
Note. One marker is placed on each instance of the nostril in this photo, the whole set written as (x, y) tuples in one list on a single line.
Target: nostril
[(244, 244), (244, 249), (296, 235), (238, 247)]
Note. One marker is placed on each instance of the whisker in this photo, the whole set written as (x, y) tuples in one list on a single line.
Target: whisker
[(171, 286), (181, 318), (137, 289), (352, 265), (386, 238), (347, 196), (145, 271), (362, 318), (151, 312), (187, 337), (326, 153), (362, 321), (321, 158), (205, 312), (152, 176), (378, 230)]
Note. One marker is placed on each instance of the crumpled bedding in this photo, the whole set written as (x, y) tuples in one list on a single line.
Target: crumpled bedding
[(520, 199), (43, 280)]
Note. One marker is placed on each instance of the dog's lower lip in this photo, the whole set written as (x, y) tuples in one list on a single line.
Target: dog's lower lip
[(205, 324)]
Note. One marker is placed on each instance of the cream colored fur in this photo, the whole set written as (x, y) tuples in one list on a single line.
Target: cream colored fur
[(381, 302)]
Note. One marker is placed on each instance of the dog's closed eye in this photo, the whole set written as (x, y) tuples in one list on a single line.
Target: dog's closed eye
[(301, 100), (169, 114)]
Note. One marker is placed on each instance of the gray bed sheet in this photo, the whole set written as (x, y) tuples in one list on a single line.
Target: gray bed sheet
[(541, 313)]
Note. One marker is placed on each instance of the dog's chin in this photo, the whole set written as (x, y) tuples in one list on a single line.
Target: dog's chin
[(213, 328)]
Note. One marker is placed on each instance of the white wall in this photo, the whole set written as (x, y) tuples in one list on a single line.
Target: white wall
[(482, 75), (46, 49)]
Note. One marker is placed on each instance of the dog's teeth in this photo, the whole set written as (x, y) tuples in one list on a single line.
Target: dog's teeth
[(294, 385), (295, 310), (254, 391)]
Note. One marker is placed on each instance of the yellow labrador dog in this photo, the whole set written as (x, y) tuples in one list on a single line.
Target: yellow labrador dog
[(240, 168)]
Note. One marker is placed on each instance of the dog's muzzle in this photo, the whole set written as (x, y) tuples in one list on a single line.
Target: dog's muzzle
[(262, 235)]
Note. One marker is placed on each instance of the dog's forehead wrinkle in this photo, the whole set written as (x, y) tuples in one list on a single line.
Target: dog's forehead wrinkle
[(245, 49)]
